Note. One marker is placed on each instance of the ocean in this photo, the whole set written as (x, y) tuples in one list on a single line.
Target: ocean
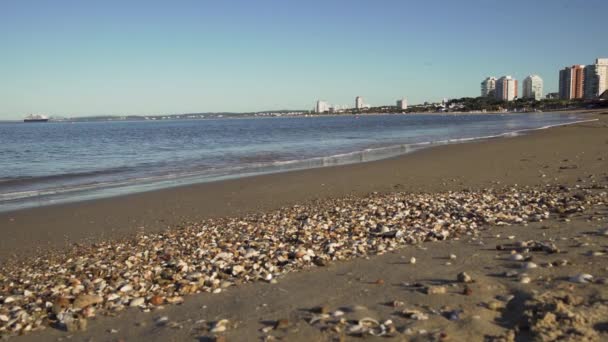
[(56, 162)]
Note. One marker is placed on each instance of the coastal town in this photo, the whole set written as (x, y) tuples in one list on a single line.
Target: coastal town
[(579, 86)]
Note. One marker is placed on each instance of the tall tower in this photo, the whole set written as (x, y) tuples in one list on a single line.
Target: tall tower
[(488, 86), (506, 88), (402, 104), (359, 102), (321, 107), (572, 82), (533, 87), (596, 78)]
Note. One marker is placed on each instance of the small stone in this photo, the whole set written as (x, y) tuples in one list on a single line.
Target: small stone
[(281, 324), (529, 265), (505, 298), (467, 291), (323, 309), (397, 303), (379, 282), (433, 290), (525, 280), (415, 314), (157, 300), (495, 305), (126, 288), (162, 320), (412, 260), (452, 256), (463, 277)]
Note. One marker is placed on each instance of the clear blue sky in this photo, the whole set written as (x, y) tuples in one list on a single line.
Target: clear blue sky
[(152, 57)]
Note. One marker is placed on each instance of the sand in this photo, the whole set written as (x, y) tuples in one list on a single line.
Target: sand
[(565, 155)]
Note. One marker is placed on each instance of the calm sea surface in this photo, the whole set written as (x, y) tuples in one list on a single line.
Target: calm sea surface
[(45, 163)]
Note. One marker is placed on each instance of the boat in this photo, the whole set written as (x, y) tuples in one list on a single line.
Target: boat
[(35, 118)]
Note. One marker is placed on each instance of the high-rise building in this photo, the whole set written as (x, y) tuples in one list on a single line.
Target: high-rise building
[(506, 88), (596, 78), (322, 107), (402, 104), (488, 86), (359, 102), (572, 82), (533, 87)]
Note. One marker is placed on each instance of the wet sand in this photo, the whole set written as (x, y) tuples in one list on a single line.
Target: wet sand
[(570, 156)]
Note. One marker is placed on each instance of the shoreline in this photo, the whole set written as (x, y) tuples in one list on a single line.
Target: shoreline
[(54, 197), (30, 231)]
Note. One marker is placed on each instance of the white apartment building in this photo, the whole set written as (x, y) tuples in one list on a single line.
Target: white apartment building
[(596, 78), (402, 104), (506, 89), (322, 107), (359, 102), (533, 87), (488, 86)]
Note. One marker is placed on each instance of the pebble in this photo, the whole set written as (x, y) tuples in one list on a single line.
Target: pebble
[(463, 277), (525, 279), (495, 305), (157, 300), (412, 260), (433, 290), (162, 320), (529, 265), (414, 314)]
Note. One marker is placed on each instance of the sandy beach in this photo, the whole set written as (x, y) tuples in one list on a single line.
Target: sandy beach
[(539, 272)]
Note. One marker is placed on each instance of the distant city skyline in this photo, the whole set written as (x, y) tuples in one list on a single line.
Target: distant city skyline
[(150, 57)]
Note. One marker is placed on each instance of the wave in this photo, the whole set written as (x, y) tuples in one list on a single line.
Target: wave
[(21, 199)]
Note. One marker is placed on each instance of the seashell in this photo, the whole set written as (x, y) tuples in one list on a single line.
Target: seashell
[(139, 301), (414, 314), (581, 278), (83, 301), (126, 288), (463, 277), (219, 326), (516, 257)]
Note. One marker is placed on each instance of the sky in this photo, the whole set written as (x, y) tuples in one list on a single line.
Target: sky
[(79, 58)]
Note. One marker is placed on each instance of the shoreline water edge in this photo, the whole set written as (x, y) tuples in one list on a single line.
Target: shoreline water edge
[(89, 191)]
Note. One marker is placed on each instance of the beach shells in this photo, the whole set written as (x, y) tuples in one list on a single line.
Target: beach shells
[(581, 278), (210, 256), (463, 277)]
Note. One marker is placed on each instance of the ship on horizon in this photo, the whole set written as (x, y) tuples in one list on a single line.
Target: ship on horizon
[(36, 118)]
